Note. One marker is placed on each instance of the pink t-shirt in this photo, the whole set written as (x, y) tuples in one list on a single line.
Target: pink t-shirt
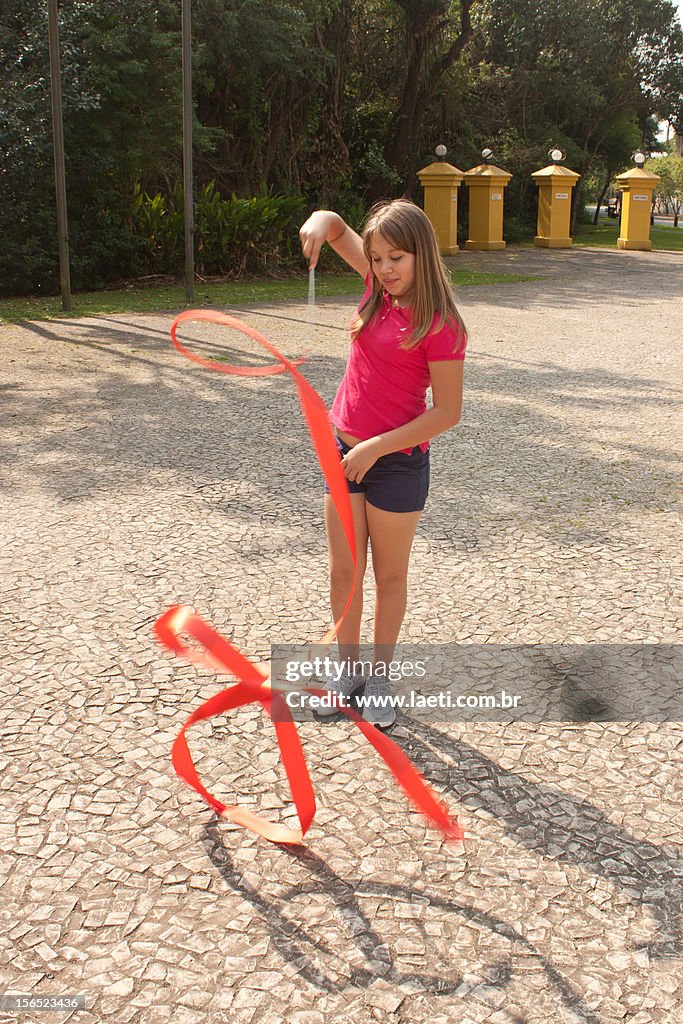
[(385, 386)]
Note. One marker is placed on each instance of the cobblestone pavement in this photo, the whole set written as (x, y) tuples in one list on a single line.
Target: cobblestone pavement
[(132, 480)]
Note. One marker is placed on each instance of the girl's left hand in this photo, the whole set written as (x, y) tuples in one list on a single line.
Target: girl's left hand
[(359, 460)]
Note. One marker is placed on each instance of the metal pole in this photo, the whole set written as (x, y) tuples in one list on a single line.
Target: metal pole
[(58, 137), (187, 150)]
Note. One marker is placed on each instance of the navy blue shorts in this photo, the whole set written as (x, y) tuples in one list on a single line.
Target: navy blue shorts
[(397, 482)]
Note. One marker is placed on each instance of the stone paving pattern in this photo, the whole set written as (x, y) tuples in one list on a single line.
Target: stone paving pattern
[(132, 480)]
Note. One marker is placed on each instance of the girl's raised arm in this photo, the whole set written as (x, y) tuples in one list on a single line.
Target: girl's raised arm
[(327, 226)]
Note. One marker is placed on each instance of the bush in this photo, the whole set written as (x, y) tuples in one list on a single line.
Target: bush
[(232, 236), (157, 223), (123, 237), (516, 230)]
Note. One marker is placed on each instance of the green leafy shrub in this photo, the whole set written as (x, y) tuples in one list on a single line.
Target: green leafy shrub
[(158, 224), (232, 236), (516, 230)]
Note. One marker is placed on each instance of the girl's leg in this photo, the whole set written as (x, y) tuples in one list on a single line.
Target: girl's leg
[(341, 572), (391, 539)]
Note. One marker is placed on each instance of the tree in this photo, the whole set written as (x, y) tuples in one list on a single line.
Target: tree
[(260, 75), (615, 154), (340, 100), (436, 33), (574, 74), (670, 188), (121, 94)]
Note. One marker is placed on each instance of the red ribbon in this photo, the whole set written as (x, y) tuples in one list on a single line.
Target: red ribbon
[(218, 654)]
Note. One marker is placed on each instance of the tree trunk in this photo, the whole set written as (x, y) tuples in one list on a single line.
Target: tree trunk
[(425, 23), (602, 196), (332, 150), (576, 193), (405, 121)]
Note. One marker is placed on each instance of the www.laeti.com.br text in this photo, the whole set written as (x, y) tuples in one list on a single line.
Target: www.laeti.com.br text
[(404, 701)]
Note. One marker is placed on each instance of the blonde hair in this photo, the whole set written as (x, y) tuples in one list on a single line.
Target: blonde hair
[(406, 227)]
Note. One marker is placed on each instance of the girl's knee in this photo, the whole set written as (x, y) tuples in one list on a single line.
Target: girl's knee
[(391, 581), (341, 575)]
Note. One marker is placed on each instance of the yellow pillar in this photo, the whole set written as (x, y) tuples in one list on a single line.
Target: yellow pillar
[(636, 203), (555, 184), (441, 182), (486, 184)]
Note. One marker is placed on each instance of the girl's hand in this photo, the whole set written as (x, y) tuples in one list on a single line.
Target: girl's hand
[(326, 226), (316, 231), (360, 459)]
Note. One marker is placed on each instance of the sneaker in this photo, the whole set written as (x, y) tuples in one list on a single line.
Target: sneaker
[(378, 708), (341, 690)]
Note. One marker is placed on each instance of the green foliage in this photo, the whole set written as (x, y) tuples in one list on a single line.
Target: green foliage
[(232, 235), (669, 190), (158, 223), (579, 75), (583, 215), (334, 100), (517, 231), (247, 235), (259, 74), (670, 170), (121, 90), (372, 165)]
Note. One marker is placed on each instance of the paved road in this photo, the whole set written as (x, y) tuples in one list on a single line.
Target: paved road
[(132, 480)]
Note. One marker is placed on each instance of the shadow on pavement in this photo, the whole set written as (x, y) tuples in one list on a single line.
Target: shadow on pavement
[(562, 827), (295, 942), (228, 440)]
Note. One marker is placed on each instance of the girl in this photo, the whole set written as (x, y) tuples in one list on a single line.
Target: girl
[(406, 335)]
